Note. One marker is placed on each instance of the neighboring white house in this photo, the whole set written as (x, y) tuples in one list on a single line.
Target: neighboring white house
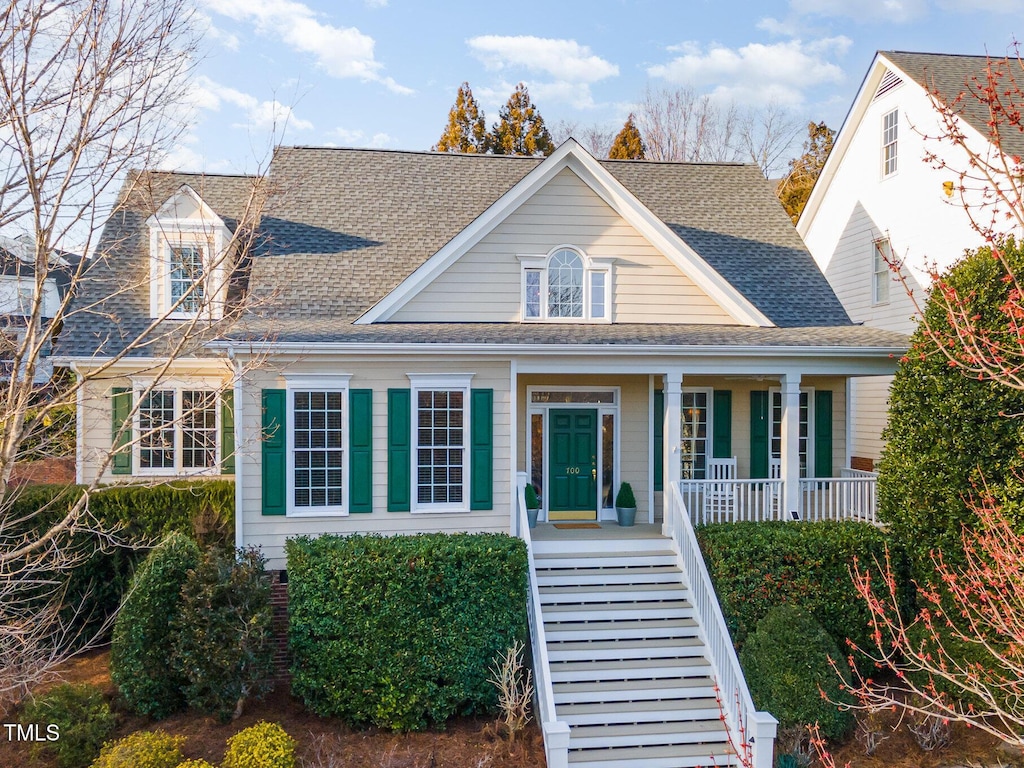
[(877, 198), (420, 330)]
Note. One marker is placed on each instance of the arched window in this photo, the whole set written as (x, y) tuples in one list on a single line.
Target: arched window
[(566, 285)]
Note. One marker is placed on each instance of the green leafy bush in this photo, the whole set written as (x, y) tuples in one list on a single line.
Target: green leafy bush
[(196, 763), (143, 749), (532, 500), (83, 718), (399, 631), (264, 745), (141, 649), (140, 515), (223, 636), (948, 432), (789, 661), (758, 566)]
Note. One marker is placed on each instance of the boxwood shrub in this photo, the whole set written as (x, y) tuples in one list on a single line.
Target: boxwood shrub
[(758, 566), (398, 632)]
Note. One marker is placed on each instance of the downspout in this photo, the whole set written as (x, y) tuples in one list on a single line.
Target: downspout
[(513, 436), (239, 453), (79, 426)]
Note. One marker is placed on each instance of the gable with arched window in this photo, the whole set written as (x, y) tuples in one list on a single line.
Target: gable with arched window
[(566, 286)]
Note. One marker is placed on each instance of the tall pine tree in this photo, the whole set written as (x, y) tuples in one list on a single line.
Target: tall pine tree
[(794, 190), (466, 130), (521, 129), (628, 144)]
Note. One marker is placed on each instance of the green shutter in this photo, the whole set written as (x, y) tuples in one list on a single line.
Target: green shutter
[(823, 433), (760, 429), (399, 449), (275, 466), (659, 440), (481, 465), (721, 429), (120, 409), (360, 450), (227, 432)]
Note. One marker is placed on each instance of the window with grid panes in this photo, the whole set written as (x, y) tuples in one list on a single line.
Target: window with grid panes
[(890, 132), (694, 434), (318, 445), (440, 446), (186, 272), (805, 428), (178, 429)]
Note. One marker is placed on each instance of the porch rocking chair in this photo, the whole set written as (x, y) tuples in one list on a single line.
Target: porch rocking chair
[(720, 490)]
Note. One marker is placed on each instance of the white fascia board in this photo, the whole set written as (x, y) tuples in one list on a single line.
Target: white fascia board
[(844, 138), (571, 155)]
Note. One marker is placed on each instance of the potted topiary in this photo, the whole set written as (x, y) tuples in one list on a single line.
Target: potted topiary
[(625, 505), (532, 505)]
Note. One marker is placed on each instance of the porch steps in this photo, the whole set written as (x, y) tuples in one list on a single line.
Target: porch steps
[(628, 666)]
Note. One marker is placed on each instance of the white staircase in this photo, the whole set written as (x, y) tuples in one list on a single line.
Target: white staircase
[(628, 667)]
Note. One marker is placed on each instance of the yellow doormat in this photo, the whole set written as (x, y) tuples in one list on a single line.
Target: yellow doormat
[(576, 525)]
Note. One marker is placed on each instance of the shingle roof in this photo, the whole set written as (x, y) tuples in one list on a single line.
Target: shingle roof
[(343, 227), (950, 75)]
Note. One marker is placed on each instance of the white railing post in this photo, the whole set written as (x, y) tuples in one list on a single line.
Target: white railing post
[(555, 732)]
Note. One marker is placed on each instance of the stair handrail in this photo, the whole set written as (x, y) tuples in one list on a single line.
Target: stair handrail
[(752, 733), (555, 732)]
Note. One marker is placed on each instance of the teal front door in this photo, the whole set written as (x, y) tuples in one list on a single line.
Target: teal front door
[(573, 464)]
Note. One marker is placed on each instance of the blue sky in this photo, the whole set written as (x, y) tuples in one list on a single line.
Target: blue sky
[(383, 73)]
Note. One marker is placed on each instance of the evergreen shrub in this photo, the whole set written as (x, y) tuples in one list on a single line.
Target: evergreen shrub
[(790, 663), (949, 434), (264, 745), (222, 643), (143, 749), (82, 716), (399, 631), (141, 649), (758, 566)]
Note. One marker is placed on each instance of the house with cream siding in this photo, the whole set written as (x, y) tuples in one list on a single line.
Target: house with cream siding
[(415, 336), (879, 198)]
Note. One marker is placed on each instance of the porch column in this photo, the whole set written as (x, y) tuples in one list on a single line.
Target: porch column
[(673, 438), (790, 385)]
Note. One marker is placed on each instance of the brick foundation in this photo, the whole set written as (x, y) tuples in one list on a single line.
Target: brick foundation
[(56, 471), (864, 465), (279, 625)]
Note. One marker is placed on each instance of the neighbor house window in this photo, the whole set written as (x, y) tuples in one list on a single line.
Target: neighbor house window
[(178, 429), (805, 422), (696, 441), (881, 259), (890, 129), (566, 285)]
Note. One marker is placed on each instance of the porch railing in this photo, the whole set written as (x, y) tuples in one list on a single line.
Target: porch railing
[(555, 732), (851, 497), (752, 733), (727, 501)]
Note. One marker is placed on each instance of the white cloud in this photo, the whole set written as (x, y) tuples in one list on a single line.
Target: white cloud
[(261, 116), (573, 67), (222, 38), (358, 138), (342, 52), (565, 60), (376, 3), (756, 73), (895, 11)]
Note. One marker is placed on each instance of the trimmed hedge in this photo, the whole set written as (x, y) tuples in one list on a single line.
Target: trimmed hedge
[(264, 745), (202, 510), (790, 663), (142, 749), (399, 632), (141, 661), (758, 566)]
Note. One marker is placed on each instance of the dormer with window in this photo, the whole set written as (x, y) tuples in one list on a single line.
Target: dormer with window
[(188, 269), (566, 286)]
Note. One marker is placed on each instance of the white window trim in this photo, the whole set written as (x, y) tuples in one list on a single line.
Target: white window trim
[(709, 448), (591, 265), (212, 238), (450, 382), (810, 425), (142, 387), (895, 144), (335, 382)]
